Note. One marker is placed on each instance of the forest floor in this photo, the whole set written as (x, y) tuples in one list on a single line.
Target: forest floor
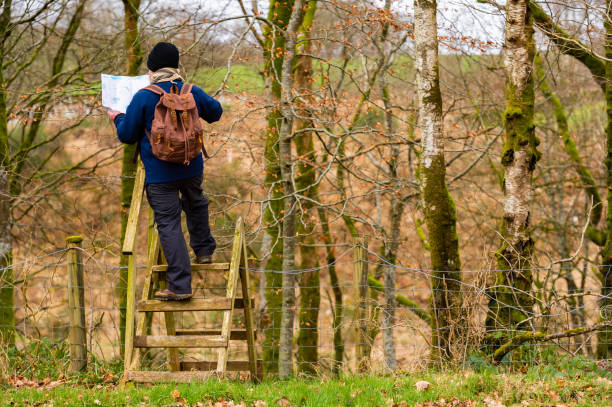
[(575, 384)]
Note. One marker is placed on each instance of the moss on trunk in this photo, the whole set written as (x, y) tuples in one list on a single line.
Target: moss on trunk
[(310, 297), (128, 165), (583, 172), (274, 48), (11, 167), (568, 44), (441, 221), (272, 217), (438, 206), (604, 337), (511, 302), (7, 313), (338, 314)]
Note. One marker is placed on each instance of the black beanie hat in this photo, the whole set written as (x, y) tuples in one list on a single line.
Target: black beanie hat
[(163, 55)]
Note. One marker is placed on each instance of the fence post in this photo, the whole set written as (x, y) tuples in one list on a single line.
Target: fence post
[(76, 305), (361, 294)]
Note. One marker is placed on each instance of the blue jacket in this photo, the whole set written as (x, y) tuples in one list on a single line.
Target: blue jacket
[(139, 116)]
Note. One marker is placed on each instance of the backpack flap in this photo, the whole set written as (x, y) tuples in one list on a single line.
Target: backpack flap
[(176, 132)]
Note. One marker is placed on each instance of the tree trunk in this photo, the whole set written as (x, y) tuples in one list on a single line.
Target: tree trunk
[(604, 337), (285, 358), (438, 206), (577, 314), (582, 170), (128, 166), (338, 313), (7, 313), (11, 168), (512, 302), (395, 216), (601, 70), (274, 46), (310, 296)]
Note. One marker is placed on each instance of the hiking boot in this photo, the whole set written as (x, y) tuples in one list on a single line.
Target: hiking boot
[(167, 295), (203, 259)]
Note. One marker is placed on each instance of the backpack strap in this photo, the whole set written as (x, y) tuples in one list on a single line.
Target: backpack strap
[(155, 89), (186, 88)]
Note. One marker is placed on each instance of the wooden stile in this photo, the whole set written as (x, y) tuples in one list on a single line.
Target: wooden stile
[(137, 340)]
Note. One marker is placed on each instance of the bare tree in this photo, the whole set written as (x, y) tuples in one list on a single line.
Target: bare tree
[(16, 59), (438, 206), (285, 367), (512, 300), (273, 48), (128, 170), (305, 180)]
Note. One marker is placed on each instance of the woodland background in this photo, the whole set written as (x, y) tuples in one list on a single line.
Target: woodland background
[(477, 179)]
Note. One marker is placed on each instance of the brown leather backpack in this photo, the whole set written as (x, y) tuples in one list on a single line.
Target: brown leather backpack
[(176, 132)]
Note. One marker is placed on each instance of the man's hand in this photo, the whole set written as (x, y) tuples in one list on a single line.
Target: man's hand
[(112, 114)]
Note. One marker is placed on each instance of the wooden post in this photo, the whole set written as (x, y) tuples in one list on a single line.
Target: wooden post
[(361, 295), (129, 314), (76, 305), (230, 293), (256, 374), (129, 245)]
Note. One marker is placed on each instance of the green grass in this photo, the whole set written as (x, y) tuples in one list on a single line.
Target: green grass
[(577, 382), (249, 78), (243, 77)]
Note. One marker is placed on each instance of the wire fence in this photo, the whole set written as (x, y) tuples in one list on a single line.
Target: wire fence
[(338, 333)]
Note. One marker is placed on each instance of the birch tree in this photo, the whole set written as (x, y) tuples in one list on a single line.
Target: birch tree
[(289, 220), (305, 183), (438, 206), (512, 300), (274, 52), (574, 47)]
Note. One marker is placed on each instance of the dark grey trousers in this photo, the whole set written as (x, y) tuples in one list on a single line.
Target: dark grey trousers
[(167, 199)]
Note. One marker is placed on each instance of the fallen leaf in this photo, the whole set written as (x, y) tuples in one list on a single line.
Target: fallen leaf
[(489, 402), (422, 385), (175, 394)]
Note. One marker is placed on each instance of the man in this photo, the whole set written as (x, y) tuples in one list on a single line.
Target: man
[(171, 186)]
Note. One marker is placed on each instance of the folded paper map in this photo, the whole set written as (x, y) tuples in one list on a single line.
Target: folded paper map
[(117, 91)]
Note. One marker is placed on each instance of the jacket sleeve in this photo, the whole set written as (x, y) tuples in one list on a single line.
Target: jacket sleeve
[(131, 124), (208, 108)]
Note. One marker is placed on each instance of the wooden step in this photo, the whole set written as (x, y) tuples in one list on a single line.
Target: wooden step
[(194, 304), (196, 267), (163, 377), (232, 365), (159, 271), (235, 335), (185, 341)]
